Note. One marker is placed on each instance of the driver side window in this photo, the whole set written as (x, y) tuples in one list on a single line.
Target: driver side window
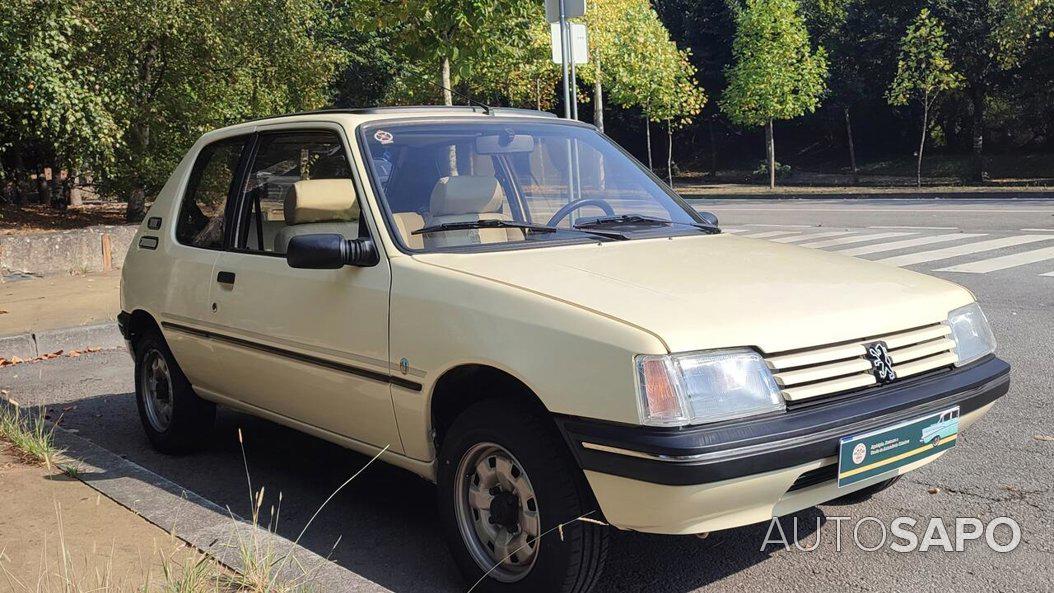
[(273, 211)]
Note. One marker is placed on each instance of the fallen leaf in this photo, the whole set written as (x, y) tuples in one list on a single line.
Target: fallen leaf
[(69, 408), (75, 353), (15, 360), (92, 349), (1044, 437), (934, 490), (3, 312)]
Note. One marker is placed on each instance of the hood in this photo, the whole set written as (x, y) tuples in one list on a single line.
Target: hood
[(723, 291)]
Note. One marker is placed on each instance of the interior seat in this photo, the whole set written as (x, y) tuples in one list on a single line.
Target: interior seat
[(315, 206), (468, 198), (405, 224)]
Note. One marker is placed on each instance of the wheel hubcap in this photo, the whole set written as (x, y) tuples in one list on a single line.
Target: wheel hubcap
[(497, 512), (156, 382)]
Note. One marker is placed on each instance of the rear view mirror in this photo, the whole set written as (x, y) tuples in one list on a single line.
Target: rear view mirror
[(329, 252), (504, 143)]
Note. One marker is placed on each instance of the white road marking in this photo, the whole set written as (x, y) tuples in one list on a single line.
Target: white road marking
[(789, 226), (811, 236), (854, 239), (769, 234), (1001, 263), (1039, 230), (790, 208), (1051, 274), (895, 245), (969, 248), (924, 228), (727, 230)]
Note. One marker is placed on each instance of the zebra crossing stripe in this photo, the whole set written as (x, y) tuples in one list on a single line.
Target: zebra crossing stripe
[(853, 239), (1051, 274), (895, 245), (969, 248), (769, 234), (812, 236), (1004, 262), (727, 230)]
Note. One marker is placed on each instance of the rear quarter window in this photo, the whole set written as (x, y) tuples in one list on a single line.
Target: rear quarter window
[(202, 214)]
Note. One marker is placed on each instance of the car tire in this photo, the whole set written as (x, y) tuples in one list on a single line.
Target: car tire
[(498, 438), (175, 419), (865, 494)]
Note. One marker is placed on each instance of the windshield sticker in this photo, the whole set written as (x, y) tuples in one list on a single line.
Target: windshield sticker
[(383, 136)]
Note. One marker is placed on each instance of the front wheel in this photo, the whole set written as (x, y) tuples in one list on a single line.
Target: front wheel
[(175, 419), (510, 496)]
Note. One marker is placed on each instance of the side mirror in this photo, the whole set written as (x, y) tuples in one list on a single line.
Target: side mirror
[(330, 251), (709, 218)]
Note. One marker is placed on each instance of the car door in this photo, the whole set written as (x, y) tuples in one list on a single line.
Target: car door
[(199, 235), (308, 345)]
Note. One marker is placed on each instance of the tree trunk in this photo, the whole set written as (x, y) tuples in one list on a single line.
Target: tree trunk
[(43, 191), (852, 147), (138, 201), (669, 152), (448, 97), (647, 134), (76, 199), (922, 141), (19, 164), (56, 200), (141, 131), (980, 166), (713, 149), (770, 152), (598, 100)]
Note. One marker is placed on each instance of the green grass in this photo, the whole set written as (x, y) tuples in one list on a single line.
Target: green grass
[(29, 433)]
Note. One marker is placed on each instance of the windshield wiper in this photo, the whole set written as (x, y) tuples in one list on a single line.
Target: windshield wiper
[(511, 224), (642, 219)]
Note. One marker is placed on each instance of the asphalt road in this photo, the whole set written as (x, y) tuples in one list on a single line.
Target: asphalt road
[(386, 521)]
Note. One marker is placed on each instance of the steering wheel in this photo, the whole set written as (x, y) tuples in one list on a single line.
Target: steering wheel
[(572, 206)]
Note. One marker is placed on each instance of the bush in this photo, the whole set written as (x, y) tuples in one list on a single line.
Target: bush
[(761, 173)]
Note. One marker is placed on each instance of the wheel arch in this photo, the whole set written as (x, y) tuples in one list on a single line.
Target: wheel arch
[(464, 385)]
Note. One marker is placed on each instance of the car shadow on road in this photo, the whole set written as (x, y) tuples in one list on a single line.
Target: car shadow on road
[(384, 524)]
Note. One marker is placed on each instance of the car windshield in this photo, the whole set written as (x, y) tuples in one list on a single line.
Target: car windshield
[(485, 184)]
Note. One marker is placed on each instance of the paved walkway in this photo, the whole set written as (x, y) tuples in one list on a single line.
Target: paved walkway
[(53, 302)]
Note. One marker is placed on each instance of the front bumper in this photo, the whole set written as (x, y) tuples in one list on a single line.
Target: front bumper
[(726, 474)]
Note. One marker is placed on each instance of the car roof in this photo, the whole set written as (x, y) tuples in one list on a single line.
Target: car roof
[(361, 115)]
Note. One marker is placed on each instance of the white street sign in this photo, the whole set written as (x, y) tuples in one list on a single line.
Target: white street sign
[(572, 8), (579, 43)]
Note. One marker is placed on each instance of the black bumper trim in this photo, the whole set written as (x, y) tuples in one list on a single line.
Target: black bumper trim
[(737, 448)]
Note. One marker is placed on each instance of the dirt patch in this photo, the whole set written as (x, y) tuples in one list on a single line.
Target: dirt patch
[(52, 526), (34, 218)]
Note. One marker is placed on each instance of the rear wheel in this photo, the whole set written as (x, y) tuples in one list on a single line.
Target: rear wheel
[(506, 481), (175, 419)]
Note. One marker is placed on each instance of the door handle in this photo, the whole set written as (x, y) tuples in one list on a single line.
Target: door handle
[(225, 277)]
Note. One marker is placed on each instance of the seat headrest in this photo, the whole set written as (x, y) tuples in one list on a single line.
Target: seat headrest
[(321, 200), (466, 194)]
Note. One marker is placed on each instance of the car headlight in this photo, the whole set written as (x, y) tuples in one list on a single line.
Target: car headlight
[(700, 387), (971, 333)]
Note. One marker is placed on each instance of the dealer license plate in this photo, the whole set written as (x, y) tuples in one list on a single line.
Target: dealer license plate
[(882, 451)]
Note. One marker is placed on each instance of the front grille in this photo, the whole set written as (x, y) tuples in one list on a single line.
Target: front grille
[(814, 372)]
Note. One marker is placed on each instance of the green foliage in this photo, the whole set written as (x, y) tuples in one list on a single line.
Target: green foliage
[(923, 70), (761, 172), (639, 64), (49, 94), (776, 74)]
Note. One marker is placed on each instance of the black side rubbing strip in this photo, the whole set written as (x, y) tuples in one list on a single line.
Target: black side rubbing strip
[(297, 356)]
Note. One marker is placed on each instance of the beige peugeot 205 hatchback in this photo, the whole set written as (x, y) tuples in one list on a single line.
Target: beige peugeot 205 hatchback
[(519, 311)]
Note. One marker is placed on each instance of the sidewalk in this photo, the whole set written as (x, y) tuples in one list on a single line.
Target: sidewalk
[(47, 516), (39, 316), (695, 187)]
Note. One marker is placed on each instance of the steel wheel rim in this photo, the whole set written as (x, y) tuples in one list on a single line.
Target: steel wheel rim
[(156, 383), (501, 537)]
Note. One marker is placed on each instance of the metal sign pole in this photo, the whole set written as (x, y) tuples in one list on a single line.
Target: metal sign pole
[(563, 59), (574, 81)]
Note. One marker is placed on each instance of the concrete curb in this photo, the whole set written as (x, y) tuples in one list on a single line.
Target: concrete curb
[(31, 345), (197, 521)]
